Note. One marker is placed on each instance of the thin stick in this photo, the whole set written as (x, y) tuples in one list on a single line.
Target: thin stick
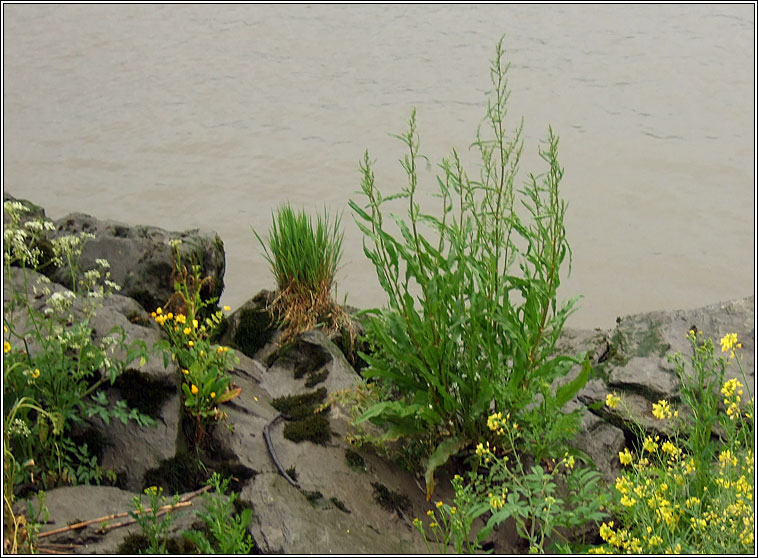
[(161, 511), (184, 502)]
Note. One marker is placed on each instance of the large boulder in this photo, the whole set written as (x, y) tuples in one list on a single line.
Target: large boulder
[(141, 258)]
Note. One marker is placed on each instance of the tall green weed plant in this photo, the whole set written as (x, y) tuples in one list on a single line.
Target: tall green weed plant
[(472, 316)]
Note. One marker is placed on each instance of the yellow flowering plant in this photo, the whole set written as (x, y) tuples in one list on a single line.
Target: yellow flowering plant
[(686, 493), (701, 390), (205, 379), (451, 525), (545, 500)]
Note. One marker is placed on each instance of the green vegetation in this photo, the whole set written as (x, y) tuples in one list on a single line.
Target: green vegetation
[(305, 415), (53, 370), (205, 379), (693, 492), (304, 262), (225, 531), (473, 315)]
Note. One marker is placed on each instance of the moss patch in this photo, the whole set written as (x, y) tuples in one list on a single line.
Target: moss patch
[(305, 423), (178, 474), (254, 330), (314, 429), (316, 377), (133, 544), (339, 504), (138, 543), (303, 357), (355, 461), (391, 500), (143, 392), (299, 406)]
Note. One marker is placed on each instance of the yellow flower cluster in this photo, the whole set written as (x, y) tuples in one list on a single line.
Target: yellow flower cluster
[(662, 410), (726, 457), (6, 347), (650, 444), (497, 501), (496, 422), (732, 391), (625, 457), (485, 451), (612, 400), (619, 539), (568, 460), (729, 343)]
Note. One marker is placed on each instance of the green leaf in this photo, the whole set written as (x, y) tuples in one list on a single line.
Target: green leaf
[(446, 449), (567, 391)]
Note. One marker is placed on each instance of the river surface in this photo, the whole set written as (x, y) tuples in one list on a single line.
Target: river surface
[(186, 116)]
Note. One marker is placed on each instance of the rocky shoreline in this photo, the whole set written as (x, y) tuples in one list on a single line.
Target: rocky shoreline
[(338, 507)]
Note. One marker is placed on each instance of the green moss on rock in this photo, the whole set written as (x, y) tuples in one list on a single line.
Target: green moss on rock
[(355, 461), (391, 500), (299, 406), (254, 330), (316, 377), (178, 474), (314, 428), (303, 357)]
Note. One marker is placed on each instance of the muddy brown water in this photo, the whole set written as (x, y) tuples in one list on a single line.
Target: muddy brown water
[(208, 116)]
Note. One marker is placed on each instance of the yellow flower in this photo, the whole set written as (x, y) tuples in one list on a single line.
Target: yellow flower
[(453, 510), (670, 448), (727, 457), (612, 400), (6, 347), (650, 445), (227, 308), (494, 422), (606, 531), (194, 389), (439, 504), (181, 318), (662, 410), (191, 343), (194, 324), (185, 371), (159, 310), (170, 316), (187, 331), (730, 387), (213, 394), (625, 457), (35, 374), (496, 502), (728, 342)]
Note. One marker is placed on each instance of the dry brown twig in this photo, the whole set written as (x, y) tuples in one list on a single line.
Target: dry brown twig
[(183, 503)]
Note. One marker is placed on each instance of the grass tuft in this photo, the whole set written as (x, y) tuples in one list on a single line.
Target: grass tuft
[(304, 262)]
